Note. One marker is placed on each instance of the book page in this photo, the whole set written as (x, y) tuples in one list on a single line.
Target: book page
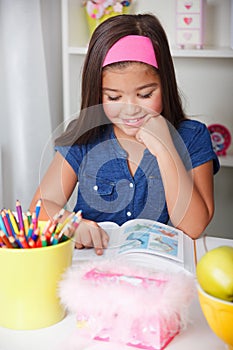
[(151, 237), (139, 236)]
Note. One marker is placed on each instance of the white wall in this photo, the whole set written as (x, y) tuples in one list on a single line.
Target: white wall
[(10, 146)]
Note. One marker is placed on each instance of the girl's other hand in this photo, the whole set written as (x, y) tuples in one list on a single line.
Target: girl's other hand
[(90, 235)]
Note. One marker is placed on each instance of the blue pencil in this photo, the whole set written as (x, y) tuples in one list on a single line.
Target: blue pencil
[(2, 226), (38, 207)]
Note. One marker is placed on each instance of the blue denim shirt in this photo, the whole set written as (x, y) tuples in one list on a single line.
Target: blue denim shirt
[(108, 192)]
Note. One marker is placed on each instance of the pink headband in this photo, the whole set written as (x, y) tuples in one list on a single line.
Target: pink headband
[(132, 48)]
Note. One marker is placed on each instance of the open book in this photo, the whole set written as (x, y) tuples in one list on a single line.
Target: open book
[(144, 240)]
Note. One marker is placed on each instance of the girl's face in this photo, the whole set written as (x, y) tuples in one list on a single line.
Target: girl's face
[(131, 95)]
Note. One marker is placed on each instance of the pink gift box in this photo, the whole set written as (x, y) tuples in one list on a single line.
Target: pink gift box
[(120, 303)]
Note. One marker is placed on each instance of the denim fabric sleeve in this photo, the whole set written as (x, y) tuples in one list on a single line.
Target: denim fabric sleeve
[(197, 139), (72, 154)]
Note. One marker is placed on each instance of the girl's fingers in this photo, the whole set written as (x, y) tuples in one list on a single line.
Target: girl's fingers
[(89, 235), (99, 239), (105, 238), (78, 245)]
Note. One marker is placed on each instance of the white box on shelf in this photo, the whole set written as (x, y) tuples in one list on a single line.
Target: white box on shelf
[(190, 23)]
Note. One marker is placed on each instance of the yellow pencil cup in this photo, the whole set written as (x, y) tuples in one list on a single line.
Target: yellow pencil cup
[(29, 285)]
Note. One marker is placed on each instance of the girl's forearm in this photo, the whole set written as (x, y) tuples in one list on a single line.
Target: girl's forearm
[(186, 206)]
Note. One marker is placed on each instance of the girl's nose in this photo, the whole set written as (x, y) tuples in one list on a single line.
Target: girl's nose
[(131, 108)]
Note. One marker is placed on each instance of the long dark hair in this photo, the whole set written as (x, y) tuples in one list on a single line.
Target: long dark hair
[(89, 124)]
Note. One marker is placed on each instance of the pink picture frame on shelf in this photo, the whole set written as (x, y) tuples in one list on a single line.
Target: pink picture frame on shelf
[(190, 24)]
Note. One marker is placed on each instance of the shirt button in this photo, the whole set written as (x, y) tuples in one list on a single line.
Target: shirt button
[(128, 213), (131, 185), (95, 188)]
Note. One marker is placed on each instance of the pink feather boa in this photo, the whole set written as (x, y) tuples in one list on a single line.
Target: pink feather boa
[(117, 301)]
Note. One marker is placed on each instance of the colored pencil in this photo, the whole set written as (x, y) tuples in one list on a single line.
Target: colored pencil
[(29, 216), (43, 240), (38, 207), (7, 224), (20, 215), (30, 230), (34, 220), (13, 242), (23, 242), (13, 222), (66, 221), (38, 242), (54, 239), (26, 224), (23, 232), (2, 226), (76, 219), (5, 239), (35, 234)]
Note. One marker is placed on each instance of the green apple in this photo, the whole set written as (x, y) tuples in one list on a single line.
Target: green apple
[(215, 272)]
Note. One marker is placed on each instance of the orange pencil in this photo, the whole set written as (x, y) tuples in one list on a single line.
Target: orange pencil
[(5, 239)]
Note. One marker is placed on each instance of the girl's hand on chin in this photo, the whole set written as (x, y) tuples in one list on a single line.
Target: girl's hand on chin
[(154, 134)]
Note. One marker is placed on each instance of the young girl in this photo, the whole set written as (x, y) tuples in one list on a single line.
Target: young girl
[(132, 151)]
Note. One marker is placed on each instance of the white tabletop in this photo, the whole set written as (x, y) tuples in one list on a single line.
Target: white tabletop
[(197, 335)]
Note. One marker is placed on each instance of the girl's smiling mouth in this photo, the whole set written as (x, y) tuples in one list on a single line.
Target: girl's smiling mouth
[(136, 122)]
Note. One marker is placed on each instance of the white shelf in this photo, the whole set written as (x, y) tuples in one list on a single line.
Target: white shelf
[(79, 50), (226, 161), (208, 52), (211, 52)]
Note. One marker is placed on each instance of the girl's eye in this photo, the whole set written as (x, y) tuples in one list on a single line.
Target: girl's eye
[(145, 95), (113, 98)]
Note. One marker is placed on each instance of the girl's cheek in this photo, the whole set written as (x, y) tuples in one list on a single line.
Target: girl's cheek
[(155, 105), (112, 110)]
